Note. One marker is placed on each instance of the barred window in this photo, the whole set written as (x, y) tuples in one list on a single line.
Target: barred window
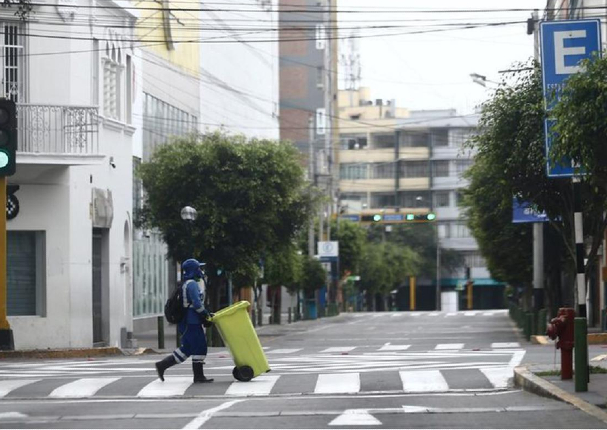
[(441, 168), (441, 199), (414, 169), (382, 170), (353, 171), (111, 82), (12, 63)]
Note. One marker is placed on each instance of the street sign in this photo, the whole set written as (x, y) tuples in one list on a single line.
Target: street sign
[(523, 212), (328, 249), (564, 44)]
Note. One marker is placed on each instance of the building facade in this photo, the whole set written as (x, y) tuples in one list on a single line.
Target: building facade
[(69, 244), (396, 160)]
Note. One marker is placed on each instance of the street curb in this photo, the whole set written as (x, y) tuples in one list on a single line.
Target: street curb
[(63, 353), (527, 380)]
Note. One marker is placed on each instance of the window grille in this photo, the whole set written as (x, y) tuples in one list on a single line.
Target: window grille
[(12, 63)]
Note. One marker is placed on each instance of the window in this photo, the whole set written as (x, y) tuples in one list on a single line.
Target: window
[(321, 121), (353, 202), (416, 139), (12, 64), (459, 136), (414, 169), (321, 36), (320, 77), (414, 199), (26, 273), (382, 170), (462, 165), (111, 82), (441, 199), (474, 259), (441, 169), (95, 70), (129, 90), (459, 230), (383, 141), (440, 138), (382, 200), (353, 171)]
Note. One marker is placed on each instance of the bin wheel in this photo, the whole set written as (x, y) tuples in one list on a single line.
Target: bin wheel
[(236, 374), (244, 373)]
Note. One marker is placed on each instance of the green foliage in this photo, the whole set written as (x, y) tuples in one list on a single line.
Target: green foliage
[(581, 134), (284, 266), (313, 274), (385, 266), (510, 161), (251, 198), (420, 238), (352, 238)]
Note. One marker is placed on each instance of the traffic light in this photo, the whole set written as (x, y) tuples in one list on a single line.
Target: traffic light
[(8, 137), (371, 218)]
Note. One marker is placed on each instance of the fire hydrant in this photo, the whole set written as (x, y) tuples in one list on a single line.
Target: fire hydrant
[(562, 327)]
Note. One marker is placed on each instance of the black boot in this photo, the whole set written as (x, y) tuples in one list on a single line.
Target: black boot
[(163, 365), (199, 373)]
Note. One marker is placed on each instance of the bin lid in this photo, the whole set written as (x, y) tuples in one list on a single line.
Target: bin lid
[(243, 304)]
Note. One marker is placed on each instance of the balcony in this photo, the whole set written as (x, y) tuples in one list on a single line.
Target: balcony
[(53, 134)]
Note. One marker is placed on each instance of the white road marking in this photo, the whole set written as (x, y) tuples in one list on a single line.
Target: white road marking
[(498, 376), (488, 314), (208, 414), (84, 387), (451, 314), (434, 314), (389, 347), (172, 386), (11, 415), (505, 345), (260, 386), (355, 417), (284, 351), (8, 386), (339, 349), (334, 383), (470, 314), (415, 314), (450, 346), (422, 381)]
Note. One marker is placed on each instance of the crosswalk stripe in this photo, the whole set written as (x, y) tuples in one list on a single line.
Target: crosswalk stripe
[(498, 376), (451, 314), (425, 380), (84, 387), (8, 386), (388, 347), (283, 351), (488, 314), (470, 314), (505, 345), (337, 383), (449, 346), (339, 349), (434, 314), (260, 386), (172, 386)]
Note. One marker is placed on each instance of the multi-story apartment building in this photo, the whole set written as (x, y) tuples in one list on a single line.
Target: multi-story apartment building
[(69, 245), (429, 159)]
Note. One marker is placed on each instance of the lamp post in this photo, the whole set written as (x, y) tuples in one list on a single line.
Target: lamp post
[(189, 214)]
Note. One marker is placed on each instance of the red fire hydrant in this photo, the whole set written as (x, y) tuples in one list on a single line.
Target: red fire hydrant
[(562, 327)]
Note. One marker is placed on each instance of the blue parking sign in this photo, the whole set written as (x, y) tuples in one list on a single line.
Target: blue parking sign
[(564, 44)]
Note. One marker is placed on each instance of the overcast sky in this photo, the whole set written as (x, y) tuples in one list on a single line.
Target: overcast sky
[(432, 70)]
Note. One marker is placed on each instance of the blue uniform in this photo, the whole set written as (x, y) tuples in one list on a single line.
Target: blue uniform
[(193, 339)]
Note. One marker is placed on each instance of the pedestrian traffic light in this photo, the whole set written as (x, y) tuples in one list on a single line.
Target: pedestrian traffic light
[(8, 137)]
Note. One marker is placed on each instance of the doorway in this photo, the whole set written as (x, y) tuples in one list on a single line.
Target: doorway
[(100, 288)]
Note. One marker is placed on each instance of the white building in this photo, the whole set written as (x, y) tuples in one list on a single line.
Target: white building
[(69, 70)]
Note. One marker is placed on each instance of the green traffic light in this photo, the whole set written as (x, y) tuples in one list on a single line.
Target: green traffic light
[(4, 159), (410, 217), (431, 217), (376, 217)]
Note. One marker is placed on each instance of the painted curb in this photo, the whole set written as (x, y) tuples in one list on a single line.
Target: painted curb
[(527, 380), (597, 338), (62, 353)]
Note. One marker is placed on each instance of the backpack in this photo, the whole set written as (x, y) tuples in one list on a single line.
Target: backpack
[(174, 311)]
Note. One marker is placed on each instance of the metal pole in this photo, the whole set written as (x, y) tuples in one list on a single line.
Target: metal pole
[(6, 334), (160, 332), (581, 355), (312, 180), (438, 298)]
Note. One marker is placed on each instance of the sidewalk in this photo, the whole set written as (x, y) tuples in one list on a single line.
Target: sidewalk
[(540, 378)]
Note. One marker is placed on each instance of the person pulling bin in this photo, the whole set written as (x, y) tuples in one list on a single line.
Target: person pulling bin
[(193, 339)]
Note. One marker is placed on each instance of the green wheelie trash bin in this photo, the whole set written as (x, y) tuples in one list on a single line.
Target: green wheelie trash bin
[(237, 332)]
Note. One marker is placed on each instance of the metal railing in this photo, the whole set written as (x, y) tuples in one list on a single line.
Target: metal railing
[(54, 129)]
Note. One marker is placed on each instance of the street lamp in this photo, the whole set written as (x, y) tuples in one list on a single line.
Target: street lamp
[(481, 80), (189, 214)]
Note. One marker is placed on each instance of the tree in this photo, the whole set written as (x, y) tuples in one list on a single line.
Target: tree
[(581, 135), (251, 198), (510, 161), (352, 238)]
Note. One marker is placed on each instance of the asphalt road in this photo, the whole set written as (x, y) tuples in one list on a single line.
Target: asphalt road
[(361, 370)]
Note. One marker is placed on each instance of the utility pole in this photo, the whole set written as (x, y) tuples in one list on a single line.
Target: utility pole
[(538, 227), (312, 180)]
